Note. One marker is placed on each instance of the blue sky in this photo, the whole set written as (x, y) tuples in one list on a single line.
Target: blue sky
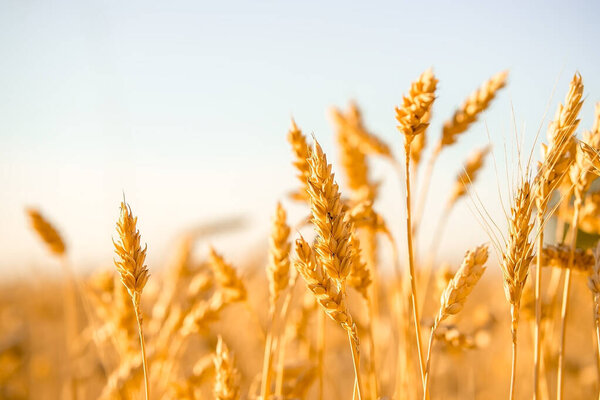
[(184, 106)]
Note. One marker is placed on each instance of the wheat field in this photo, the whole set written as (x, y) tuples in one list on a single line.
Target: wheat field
[(333, 305)]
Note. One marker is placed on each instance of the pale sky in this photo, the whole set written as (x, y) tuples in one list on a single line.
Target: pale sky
[(184, 106)]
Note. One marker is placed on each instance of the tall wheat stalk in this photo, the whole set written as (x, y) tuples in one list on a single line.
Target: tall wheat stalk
[(516, 257), (134, 273), (411, 116), (278, 274)]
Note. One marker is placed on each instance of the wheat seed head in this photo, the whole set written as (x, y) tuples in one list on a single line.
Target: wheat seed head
[(301, 152), (353, 161), (278, 269), (47, 232), (558, 155), (580, 175), (351, 123), (130, 255), (333, 244), (326, 290), (413, 115), (458, 289), (227, 385), (474, 105), (557, 256), (360, 275), (517, 255), (226, 276)]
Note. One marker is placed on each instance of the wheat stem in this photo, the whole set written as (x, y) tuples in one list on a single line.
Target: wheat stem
[(138, 317), (538, 308), (565, 301), (265, 387), (412, 277), (320, 350), (428, 363)]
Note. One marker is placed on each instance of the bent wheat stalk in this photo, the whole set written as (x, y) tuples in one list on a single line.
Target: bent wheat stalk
[(456, 293)]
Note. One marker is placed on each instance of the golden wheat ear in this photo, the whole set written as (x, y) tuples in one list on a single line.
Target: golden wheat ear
[(47, 232), (227, 386), (130, 263)]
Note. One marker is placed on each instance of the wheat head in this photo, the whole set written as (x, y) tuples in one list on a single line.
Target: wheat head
[(474, 105), (458, 289), (47, 232), (130, 255)]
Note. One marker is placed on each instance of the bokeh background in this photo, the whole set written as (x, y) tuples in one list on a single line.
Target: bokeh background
[(184, 106)]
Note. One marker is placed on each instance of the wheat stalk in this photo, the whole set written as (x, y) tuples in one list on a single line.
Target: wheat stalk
[(134, 273), (278, 274), (516, 258), (456, 293), (412, 119)]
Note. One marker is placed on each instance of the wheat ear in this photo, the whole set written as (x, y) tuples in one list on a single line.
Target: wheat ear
[(227, 386), (412, 119), (134, 273), (353, 126), (461, 120), (456, 293), (300, 151)]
